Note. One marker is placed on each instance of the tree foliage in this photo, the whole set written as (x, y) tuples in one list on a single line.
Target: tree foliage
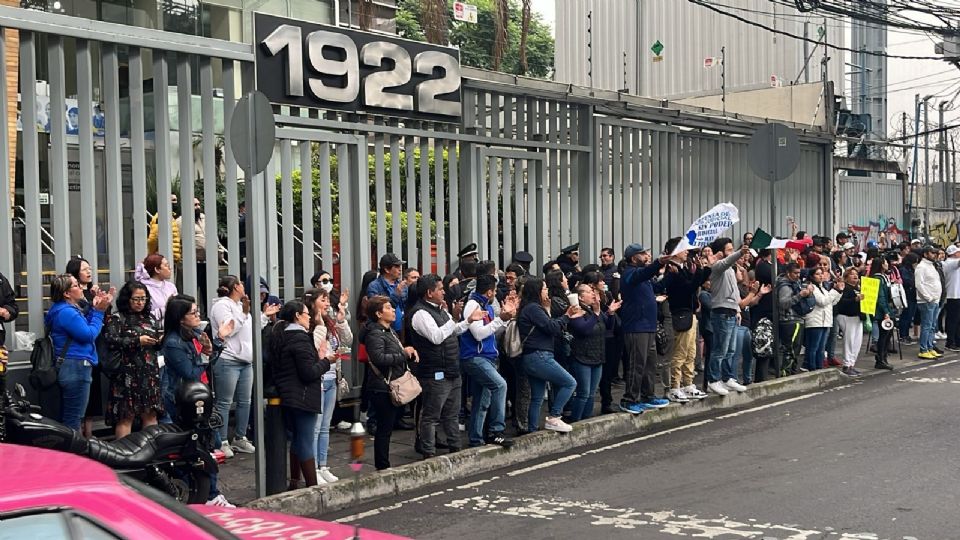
[(477, 41)]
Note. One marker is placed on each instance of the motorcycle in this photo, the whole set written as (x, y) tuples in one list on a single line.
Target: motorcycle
[(174, 458)]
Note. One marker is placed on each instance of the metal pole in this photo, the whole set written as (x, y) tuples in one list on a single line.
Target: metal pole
[(723, 77), (775, 312), (926, 166)]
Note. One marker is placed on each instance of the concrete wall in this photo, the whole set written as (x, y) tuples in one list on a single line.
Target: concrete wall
[(801, 104)]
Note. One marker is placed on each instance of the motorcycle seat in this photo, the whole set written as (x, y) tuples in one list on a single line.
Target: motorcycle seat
[(139, 449)]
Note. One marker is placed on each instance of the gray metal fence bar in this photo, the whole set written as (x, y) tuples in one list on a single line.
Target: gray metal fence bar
[(629, 146), (509, 101), (409, 146), (380, 190), (208, 142), (111, 150), (188, 250), (58, 188), (6, 216), (326, 215), (440, 210), (495, 115), (502, 255), (616, 177), (31, 180), (493, 245), (347, 205), (230, 174), (286, 204), (88, 187), (605, 209), (161, 112), (639, 169), (553, 191), (567, 234), (453, 166), (396, 203), (306, 216), (487, 170), (585, 192), (358, 253), (138, 166), (426, 237), (520, 168), (271, 245)]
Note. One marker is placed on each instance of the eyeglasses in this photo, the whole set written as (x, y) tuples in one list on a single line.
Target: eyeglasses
[(194, 312), (138, 299)]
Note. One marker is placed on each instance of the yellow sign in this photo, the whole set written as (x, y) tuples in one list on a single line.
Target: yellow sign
[(870, 289)]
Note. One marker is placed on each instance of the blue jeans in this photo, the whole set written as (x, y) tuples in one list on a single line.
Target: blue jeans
[(300, 426), (722, 365), (588, 379), (488, 389), (74, 379), (743, 347), (541, 369), (322, 432), (906, 319), (815, 341), (233, 378), (928, 325)]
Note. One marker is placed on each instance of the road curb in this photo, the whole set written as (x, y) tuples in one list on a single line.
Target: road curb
[(405, 478)]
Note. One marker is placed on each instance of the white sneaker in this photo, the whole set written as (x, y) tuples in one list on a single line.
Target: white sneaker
[(678, 396), (243, 446), (718, 388), (732, 384), (344, 426), (328, 477), (693, 392), (321, 481), (225, 448), (221, 501), (939, 336), (557, 424)]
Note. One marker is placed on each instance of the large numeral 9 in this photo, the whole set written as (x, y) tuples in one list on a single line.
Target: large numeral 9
[(348, 68), (428, 91)]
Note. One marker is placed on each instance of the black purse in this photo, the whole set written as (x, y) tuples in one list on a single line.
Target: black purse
[(683, 320)]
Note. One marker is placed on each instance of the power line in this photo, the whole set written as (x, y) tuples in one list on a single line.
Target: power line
[(713, 8)]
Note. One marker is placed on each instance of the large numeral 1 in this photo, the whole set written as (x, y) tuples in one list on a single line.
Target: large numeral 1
[(349, 67), (428, 91), (287, 37)]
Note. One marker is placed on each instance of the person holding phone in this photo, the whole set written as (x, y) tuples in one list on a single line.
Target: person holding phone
[(135, 389)]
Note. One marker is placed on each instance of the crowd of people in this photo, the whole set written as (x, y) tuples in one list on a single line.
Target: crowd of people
[(488, 346)]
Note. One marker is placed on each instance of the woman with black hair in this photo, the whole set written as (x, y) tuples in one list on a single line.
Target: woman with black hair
[(80, 269), (134, 334), (184, 347), (298, 374), (538, 332), (878, 270)]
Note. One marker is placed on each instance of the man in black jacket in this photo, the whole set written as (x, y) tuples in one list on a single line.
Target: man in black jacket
[(433, 334), (8, 306), (682, 283)]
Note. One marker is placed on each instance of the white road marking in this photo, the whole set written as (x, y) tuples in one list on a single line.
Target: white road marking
[(949, 380), (574, 456), (931, 366), (665, 521)]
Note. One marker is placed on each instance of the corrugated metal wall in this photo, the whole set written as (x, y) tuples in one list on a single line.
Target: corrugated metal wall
[(861, 200), (689, 33)]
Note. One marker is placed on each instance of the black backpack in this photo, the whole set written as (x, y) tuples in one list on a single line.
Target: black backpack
[(45, 363)]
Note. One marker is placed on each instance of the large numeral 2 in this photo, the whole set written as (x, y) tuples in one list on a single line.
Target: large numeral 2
[(374, 93), (428, 91)]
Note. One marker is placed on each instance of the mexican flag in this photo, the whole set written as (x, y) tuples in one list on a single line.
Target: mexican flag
[(762, 240)]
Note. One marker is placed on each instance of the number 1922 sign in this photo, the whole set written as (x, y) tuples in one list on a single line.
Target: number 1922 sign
[(311, 65)]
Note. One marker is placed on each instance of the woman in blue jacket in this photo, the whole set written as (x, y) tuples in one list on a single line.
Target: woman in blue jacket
[(74, 335), (538, 332)]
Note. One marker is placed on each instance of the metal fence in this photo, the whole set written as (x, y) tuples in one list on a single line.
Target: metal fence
[(532, 165)]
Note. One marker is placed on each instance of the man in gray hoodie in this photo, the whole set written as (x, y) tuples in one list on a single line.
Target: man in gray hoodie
[(724, 317)]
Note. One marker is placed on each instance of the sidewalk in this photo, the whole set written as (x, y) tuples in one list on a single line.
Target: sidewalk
[(237, 475)]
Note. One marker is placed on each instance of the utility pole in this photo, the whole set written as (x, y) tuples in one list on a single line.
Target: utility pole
[(926, 164)]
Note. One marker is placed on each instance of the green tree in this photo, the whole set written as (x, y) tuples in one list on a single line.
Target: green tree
[(477, 41)]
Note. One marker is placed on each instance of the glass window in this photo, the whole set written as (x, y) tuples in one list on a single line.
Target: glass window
[(87, 530), (49, 525)]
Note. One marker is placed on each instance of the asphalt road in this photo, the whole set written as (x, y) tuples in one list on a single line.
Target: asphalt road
[(875, 459)]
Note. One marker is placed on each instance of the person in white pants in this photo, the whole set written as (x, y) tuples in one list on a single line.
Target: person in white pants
[(847, 312)]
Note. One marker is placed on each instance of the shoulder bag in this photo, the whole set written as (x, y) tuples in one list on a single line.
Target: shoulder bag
[(404, 388)]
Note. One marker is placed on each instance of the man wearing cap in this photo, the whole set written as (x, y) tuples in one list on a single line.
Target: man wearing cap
[(390, 285), (569, 259), (929, 289), (469, 252), (952, 319), (639, 322)]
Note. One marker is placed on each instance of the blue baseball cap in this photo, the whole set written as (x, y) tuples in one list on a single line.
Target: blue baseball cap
[(632, 250)]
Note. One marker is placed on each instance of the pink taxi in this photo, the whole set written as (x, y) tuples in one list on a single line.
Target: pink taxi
[(53, 495)]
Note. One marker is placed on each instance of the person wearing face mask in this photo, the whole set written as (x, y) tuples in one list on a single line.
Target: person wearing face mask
[(322, 280)]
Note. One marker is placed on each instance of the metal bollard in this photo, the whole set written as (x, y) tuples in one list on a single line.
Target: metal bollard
[(275, 446)]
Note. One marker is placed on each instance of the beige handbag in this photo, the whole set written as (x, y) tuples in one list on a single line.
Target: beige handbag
[(404, 388)]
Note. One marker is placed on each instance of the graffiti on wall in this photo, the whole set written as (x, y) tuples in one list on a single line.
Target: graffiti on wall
[(862, 234), (944, 232)]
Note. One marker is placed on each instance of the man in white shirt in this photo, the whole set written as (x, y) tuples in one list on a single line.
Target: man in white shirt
[(433, 334), (929, 289), (952, 319)]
